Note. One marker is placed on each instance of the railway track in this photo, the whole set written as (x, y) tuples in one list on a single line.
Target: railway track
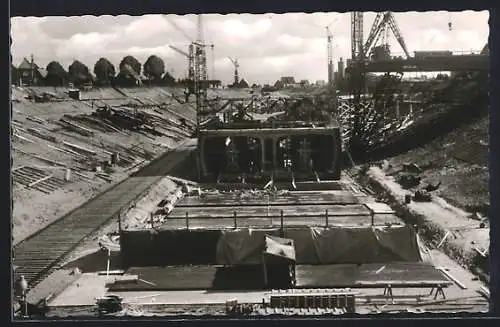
[(38, 255)]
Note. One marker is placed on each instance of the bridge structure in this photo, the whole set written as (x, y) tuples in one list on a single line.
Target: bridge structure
[(472, 62)]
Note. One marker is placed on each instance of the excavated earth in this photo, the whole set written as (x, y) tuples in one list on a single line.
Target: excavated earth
[(49, 136)]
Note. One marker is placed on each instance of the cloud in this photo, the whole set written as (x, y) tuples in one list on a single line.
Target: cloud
[(267, 46)]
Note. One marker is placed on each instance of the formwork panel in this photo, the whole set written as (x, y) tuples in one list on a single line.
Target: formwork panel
[(292, 198)]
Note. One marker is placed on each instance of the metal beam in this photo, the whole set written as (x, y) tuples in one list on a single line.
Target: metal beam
[(445, 63)]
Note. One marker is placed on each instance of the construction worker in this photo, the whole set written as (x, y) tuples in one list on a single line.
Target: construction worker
[(20, 289)]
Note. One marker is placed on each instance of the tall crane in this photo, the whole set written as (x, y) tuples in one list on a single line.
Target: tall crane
[(190, 73), (198, 61), (236, 66), (200, 71), (380, 28), (329, 47), (357, 47), (213, 62)]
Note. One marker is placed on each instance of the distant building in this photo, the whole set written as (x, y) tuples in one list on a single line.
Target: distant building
[(287, 81), (320, 83), (30, 74), (304, 82), (336, 77), (341, 70)]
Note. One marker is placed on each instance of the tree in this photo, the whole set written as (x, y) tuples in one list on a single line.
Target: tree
[(56, 75), (79, 74), (154, 67), (14, 75), (132, 62), (104, 71)]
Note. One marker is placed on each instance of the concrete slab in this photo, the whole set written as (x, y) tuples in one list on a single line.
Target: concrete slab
[(379, 208), (83, 291), (228, 223), (218, 278), (262, 199), (192, 297), (272, 211), (367, 300)]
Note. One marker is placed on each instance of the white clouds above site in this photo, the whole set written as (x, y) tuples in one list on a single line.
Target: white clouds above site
[(267, 46)]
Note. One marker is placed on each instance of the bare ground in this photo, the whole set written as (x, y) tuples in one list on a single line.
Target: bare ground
[(460, 161)]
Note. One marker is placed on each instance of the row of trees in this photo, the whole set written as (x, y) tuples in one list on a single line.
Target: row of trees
[(130, 72)]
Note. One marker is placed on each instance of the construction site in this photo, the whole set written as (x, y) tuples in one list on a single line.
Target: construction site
[(363, 196)]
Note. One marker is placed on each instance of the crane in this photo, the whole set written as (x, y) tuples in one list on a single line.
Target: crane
[(213, 61), (236, 66), (190, 75), (197, 64), (329, 46), (357, 48), (381, 25)]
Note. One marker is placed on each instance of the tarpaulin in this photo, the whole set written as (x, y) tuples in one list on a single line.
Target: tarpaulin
[(241, 246), (280, 247), (338, 245), (333, 245), (365, 245), (305, 251)]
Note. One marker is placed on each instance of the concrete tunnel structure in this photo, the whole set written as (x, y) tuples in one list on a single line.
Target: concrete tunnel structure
[(300, 153)]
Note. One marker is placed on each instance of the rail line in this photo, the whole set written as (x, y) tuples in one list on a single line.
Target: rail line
[(38, 255)]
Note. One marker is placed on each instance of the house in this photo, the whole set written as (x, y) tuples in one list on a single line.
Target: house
[(304, 82), (30, 74), (287, 81)]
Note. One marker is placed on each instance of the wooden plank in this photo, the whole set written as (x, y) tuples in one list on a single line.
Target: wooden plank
[(453, 278), (220, 200), (38, 133), (40, 180), (273, 211), (77, 126), (35, 119), (81, 175), (39, 157), (70, 152), (17, 168), (23, 138), (81, 148)]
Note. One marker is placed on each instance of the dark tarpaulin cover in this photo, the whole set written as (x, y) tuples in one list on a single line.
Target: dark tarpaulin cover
[(333, 245), (242, 246), (336, 245)]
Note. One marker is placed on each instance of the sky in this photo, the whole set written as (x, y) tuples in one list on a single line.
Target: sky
[(266, 46)]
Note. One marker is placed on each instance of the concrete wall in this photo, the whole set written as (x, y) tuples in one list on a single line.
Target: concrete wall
[(256, 152)]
